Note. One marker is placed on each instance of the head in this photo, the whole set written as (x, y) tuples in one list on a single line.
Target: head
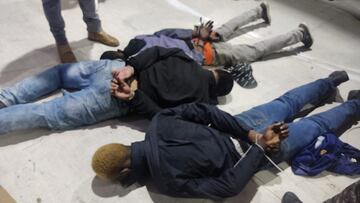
[(112, 55), (224, 82), (112, 162)]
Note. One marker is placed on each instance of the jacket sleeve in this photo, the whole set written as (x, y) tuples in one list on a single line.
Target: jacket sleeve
[(211, 115), (184, 34), (150, 56), (229, 183), (142, 104)]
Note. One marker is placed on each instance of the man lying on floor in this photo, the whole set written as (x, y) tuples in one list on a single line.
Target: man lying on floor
[(210, 47), (165, 77), (191, 150)]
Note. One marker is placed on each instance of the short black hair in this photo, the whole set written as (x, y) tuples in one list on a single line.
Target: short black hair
[(225, 82), (112, 55)]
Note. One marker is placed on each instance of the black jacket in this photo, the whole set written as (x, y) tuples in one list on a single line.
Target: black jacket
[(167, 78), (187, 152)]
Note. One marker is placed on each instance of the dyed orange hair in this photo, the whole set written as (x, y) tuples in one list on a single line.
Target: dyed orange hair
[(109, 160)]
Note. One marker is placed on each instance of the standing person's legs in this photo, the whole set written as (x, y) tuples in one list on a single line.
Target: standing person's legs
[(90, 16), (52, 10), (92, 20), (226, 30), (288, 105), (303, 132)]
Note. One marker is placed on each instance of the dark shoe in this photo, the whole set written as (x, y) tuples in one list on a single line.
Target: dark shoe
[(290, 197), (354, 94), (103, 38), (65, 53), (265, 13), (339, 77), (307, 39), (2, 105)]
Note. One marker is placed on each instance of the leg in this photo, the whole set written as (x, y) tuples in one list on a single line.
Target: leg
[(303, 132), (92, 20), (88, 106), (228, 29), (228, 54), (288, 105), (69, 76), (90, 16), (52, 10), (72, 110)]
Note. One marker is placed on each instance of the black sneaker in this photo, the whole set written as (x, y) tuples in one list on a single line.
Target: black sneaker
[(339, 77), (242, 74), (307, 39), (354, 94), (265, 13), (2, 105)]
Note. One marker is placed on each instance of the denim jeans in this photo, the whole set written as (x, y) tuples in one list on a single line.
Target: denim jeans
[(90, 103), (304, 131), (52, 10)]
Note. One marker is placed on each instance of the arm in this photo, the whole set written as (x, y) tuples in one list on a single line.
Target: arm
[(137, 100), (184, 34), (150, 56), (142, 104), (229, 183), (208, 114), (224, 122)]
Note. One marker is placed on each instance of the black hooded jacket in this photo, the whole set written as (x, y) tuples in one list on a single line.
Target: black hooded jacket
[(168, 78)]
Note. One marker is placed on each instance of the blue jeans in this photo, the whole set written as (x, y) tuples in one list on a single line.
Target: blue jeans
[(52, 9), (304, 131), (91, 103)]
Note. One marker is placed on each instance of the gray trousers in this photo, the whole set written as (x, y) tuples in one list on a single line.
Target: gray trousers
[(52, 10), (228, 54)]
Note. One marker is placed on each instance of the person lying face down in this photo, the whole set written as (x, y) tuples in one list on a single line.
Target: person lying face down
[(165, 78), (193, 150), (211, 48)]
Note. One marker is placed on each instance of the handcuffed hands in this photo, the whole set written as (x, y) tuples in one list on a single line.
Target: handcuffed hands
[(123, 84), (274, 135)]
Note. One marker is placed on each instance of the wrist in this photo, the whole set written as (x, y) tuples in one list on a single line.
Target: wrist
[(256, 138), (132, 95)]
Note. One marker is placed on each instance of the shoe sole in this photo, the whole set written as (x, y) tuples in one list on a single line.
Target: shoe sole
[(265, 6), (307, 30)]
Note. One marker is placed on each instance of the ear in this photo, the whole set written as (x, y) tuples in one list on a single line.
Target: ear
[(123, 173)]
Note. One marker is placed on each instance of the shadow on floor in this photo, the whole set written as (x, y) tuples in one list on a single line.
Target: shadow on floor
[(108, 189), (136, 123), (328, 12), (38, 60)]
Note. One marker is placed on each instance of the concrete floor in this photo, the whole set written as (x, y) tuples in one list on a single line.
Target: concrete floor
[(43, 166)]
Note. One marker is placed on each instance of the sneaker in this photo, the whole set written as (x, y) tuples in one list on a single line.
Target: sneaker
[(307, 39), (2, 105), (242, 74), (339, 77), (265, 12), (290, 197), (103, 38), (354, 94), (65, 53)]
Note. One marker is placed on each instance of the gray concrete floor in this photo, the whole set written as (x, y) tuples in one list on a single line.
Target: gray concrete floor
[(44, 166)]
